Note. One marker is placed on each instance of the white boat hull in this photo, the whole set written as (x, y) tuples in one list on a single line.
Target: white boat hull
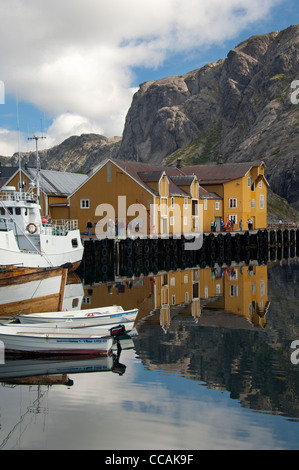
[(54, 341), (55, 251), (91, 317)]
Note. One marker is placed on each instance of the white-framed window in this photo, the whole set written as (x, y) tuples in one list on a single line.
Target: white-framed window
[(260, 184), (172, 202), (218, 289), (84, 204), (233, 291), (262, 288), (234, 275), (248, 181), (253, 203), (232, 202), (262, 202), (206, 292), (172, 281), (186, 203), (217, 206), (186, 278), (205, 204)]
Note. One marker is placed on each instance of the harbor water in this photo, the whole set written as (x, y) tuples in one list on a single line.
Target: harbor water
[(212, 364)]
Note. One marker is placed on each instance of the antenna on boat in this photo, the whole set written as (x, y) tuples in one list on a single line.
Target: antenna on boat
[(36, 138)]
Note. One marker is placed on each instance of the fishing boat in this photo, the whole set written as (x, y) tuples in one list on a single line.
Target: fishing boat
[(90, 317), (25, 290), (27, 240), (49, 341)]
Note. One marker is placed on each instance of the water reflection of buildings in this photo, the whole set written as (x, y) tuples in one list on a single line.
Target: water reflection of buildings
[(240, 290)]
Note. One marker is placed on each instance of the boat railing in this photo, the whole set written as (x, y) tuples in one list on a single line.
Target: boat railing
[(17, 196), (60, 227)]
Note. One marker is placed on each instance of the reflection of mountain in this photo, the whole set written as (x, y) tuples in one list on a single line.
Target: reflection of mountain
[(252, 364)]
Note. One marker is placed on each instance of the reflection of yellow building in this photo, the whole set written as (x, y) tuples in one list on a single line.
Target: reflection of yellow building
[(242, 290)]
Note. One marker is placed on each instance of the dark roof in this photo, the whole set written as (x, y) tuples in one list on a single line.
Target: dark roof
[(6, 172), (219, 173)]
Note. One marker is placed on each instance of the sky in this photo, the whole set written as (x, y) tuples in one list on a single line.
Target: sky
[(69, 67)]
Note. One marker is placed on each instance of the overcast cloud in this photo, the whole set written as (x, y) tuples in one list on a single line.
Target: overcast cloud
[(75, 60)]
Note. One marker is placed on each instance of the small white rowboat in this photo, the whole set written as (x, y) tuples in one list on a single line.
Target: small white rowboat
[(91, 317), (50, 341)]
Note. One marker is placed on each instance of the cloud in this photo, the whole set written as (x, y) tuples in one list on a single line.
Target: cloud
[(75, 60)]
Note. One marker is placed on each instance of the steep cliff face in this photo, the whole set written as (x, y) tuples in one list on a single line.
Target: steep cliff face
[(242, 107)]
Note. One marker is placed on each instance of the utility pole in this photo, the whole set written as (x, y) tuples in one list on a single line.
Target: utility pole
[(36, 138)]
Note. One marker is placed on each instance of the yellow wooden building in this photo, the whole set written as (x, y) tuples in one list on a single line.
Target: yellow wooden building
[(128, 197), (143, 199), (242, 187)]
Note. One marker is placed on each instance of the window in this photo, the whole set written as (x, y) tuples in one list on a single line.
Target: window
[(262, 205), (194, 207), (172, 202), (260, 184), (253, 186), (84, 204), (217, 206), (248, 181), (218, 289), (232, 202), (262, 288), (185, 278), (253, 203), (186, 203), (205, 204), (234, 291), (171, 220)]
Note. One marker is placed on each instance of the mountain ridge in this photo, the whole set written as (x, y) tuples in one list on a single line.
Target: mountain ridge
[(239, 107)]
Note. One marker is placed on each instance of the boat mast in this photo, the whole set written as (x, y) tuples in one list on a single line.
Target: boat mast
[(36, 138)]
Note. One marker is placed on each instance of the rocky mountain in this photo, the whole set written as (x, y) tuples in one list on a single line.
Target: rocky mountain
[(243, 107), (75, 154)]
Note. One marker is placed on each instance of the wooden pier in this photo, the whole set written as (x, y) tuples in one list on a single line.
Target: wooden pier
[(109, 257)]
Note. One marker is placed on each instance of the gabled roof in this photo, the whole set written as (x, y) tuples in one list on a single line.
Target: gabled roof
[(219, 173), (6, 173), (57, 182)]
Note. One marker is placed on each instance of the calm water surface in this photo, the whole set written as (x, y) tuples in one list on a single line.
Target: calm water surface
[(221, 381)]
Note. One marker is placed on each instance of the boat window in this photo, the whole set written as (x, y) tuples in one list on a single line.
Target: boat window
[(2, 211), (10, 210), (18, 210), (74, 243)]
